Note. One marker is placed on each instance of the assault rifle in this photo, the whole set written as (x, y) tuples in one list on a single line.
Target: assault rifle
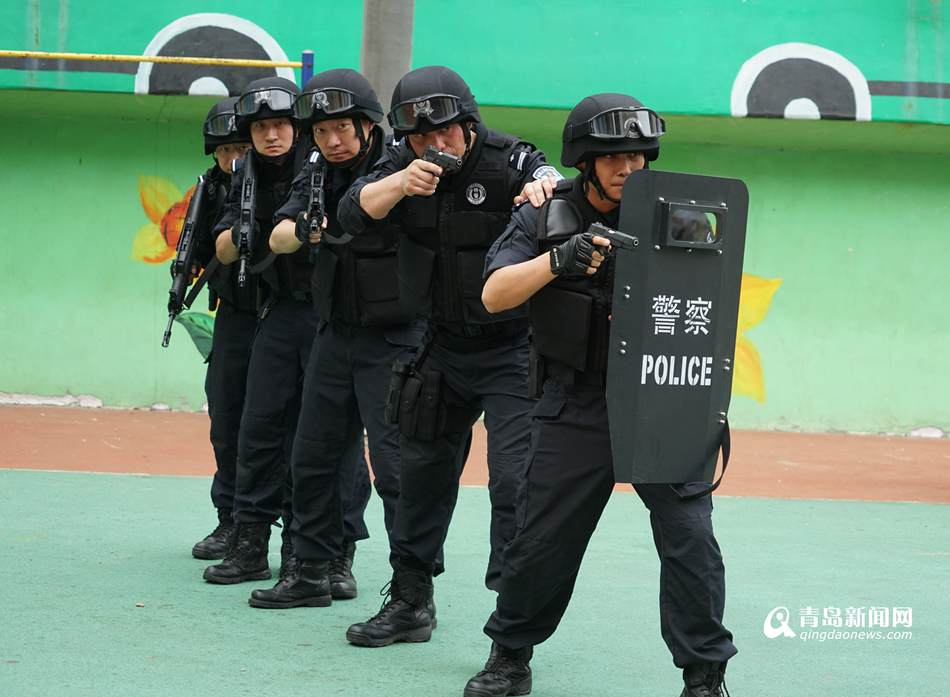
[(246, 222), (447, 161), (182, 266), (316, 209), (618, 239)]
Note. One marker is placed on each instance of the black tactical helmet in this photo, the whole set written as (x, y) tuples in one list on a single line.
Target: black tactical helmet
[(336, 93), (429, 98), (267, 98), (610, 123), (219, 126)]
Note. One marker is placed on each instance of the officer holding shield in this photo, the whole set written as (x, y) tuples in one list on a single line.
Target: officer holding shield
[(548, 255)]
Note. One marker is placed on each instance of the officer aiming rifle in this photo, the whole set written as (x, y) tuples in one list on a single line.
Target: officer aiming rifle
[(182, 267), (246, 222), (316, 209)]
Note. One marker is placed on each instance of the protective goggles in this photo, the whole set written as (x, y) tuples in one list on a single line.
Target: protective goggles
[(622, 123), (276, 99), (220, 125), (436, 109), (329, 101)]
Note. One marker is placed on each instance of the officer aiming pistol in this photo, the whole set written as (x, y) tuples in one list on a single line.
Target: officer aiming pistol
[(447, 161)]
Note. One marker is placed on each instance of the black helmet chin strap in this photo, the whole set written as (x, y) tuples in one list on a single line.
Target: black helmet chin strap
[(467, 136), (364, 143), (590, 177), (361, 153)]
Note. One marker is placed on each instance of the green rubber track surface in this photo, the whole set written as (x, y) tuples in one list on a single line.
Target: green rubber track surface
[(99, 597)]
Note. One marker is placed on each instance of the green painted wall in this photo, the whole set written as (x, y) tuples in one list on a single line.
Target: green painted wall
[(680, 56), (851, 217)]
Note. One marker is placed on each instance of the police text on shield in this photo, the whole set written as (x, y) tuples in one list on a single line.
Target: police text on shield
[(692, 371)]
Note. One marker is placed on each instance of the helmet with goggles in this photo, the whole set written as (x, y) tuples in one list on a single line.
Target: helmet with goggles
[(220, 127), (603, 124), (429, 98), (336, 93), (266, 98)]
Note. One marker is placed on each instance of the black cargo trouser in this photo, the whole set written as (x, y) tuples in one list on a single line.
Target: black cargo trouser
[(225, 383), (493, 379), (281, 351), (568, 481), (345, 390)]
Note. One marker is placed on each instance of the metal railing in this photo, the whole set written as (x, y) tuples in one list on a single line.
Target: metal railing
[(305, 63)]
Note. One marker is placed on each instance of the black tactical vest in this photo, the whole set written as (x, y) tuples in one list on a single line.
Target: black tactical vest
[(569, 316), (284, 273), (357, 282), (446, 236), (223, 280)]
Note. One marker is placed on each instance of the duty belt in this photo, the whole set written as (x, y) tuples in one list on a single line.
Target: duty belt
[(567, 376), (476, 337)]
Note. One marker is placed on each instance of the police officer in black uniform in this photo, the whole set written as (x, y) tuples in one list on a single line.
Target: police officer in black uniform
[(281, 348), (470, 361), (233, 328), (363, 331), (547, 255), (234, 325)]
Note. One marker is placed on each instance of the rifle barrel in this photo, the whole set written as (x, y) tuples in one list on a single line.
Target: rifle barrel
[(168, 330)]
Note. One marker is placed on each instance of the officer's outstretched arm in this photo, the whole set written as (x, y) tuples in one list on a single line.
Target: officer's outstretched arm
[(283, 238), (420, 178), (511, 286), (224, 248)]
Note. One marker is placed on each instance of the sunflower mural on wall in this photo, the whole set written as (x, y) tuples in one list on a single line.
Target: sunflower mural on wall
[(755, 298), (156, 242), (165, 207)]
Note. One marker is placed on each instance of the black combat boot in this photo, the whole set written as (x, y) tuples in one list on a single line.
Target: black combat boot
[(215, 545), (705, 680), (342, 583), (246, 558), (407, 613), (306, 584), (506, 673), (289, 564)]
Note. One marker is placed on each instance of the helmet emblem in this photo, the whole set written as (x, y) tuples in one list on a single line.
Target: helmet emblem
[(422, 108)]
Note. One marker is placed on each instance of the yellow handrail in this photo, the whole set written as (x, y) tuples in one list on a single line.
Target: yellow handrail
[(185, 60)]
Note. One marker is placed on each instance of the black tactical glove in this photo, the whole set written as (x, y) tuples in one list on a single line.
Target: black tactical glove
[(302, 229), (573, 256)]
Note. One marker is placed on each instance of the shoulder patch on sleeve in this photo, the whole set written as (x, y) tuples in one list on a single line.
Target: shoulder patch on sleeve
[(517, 159), (547, 171)]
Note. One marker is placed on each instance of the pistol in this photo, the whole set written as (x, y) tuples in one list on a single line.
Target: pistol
[(447, 161), (618, 239)]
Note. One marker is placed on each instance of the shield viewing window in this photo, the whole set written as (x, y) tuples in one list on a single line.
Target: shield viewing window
[(690, 225)]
